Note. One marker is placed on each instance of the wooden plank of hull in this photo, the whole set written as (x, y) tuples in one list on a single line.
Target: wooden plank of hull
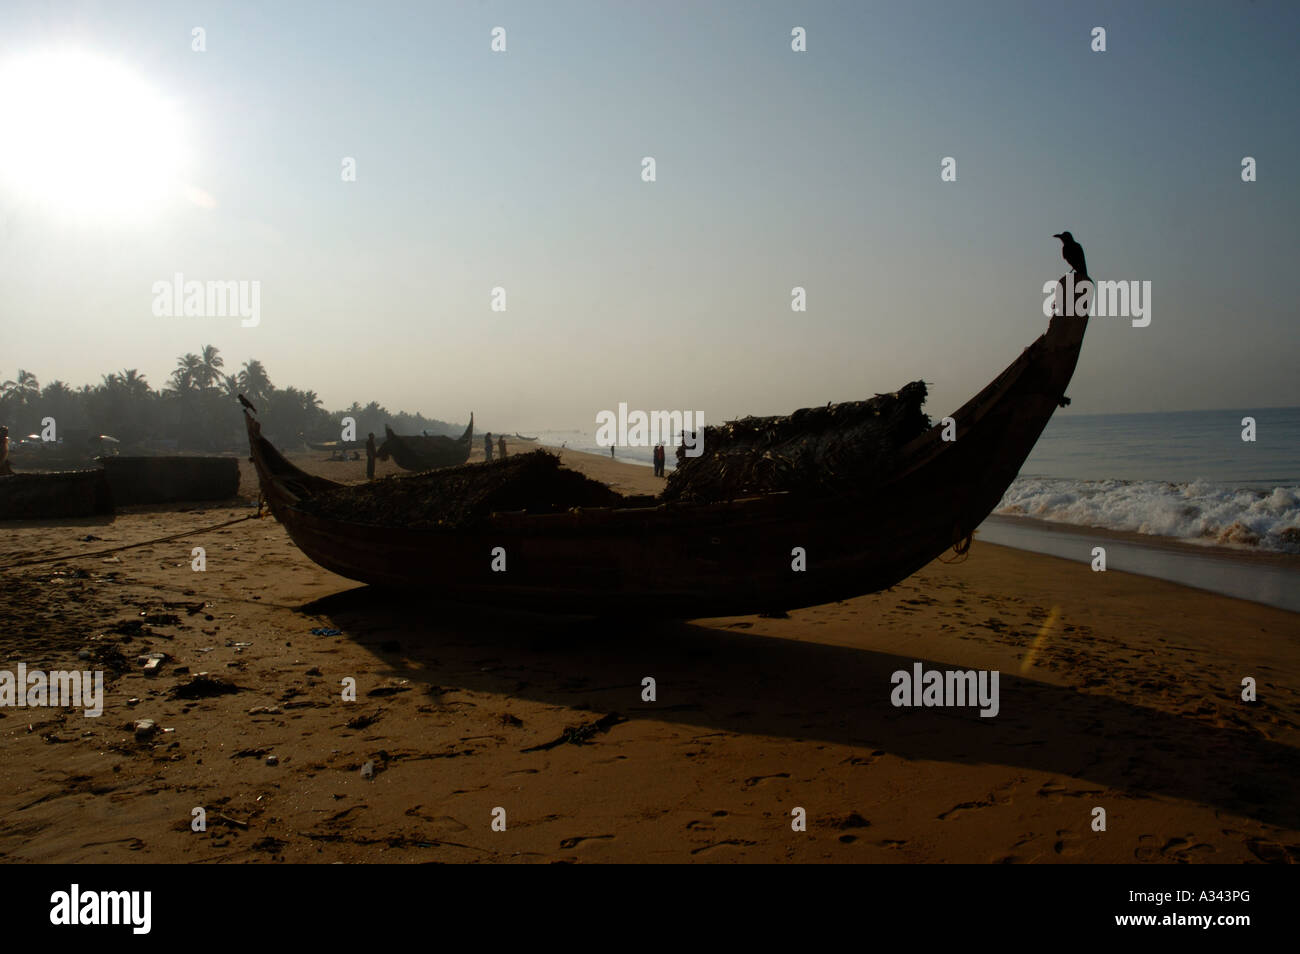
[(691, 560)]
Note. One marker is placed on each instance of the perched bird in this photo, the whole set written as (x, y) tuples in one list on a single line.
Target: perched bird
[(1072, 252), (244, 401)]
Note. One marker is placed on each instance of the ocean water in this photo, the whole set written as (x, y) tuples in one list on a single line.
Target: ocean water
[(1185, 475), (585, 441)]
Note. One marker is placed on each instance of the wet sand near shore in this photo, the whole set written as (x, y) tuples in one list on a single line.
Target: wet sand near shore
[(1116, 691)]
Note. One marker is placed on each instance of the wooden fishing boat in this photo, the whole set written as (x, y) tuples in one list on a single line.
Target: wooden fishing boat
[(688, 560), (522, 438), (418, 452), (149, 480), (40, 496)]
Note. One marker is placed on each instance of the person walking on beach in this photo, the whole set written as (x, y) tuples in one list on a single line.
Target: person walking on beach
[(501, 446), (611, 451), (681, 450), (659, 459), (370, 456), (487, 447)]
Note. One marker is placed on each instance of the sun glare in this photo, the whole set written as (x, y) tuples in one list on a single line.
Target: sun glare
[(84, 136)]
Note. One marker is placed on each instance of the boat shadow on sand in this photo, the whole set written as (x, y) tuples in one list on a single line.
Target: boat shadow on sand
[(769, 685)]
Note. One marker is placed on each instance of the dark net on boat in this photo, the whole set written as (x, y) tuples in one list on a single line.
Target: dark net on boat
[(458, 497), (816, 451)]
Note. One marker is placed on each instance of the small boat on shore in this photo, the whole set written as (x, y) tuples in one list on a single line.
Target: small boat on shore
[(688, 558), (522, 438), (419, 452), (68, 493)]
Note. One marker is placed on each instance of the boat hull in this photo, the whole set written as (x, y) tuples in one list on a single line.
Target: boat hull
[(420, 453), (733, 558)]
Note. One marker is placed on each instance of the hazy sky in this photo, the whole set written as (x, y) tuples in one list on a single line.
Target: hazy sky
[(522, 169)]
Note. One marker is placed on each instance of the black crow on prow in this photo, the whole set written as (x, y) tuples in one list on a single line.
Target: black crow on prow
[(1072, 252)]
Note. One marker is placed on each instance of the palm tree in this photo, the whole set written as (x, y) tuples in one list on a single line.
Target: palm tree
[(24, 390), (209, 372), (254, 381), (185, 377), (134, 382)]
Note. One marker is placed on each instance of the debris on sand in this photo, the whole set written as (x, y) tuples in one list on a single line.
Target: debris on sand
[(204, 686), (161, 619), (580, 735), (363, 721)]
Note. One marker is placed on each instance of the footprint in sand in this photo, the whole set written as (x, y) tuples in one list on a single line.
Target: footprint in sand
[(1272, 852), (995, 797), (728, 843), (567, 843), (755, 779), (851, 820), (1180, 850), (1068, 843)]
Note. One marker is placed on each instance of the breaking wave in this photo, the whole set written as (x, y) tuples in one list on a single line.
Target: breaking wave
[(1198, 511)]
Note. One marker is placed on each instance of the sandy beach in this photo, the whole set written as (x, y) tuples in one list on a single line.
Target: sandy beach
[(1116, 691)]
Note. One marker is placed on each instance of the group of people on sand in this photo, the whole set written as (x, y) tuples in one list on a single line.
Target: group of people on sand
[(487, 446), (660, 456)]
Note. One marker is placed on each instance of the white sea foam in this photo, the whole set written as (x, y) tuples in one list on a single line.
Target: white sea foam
[(1198, 511)]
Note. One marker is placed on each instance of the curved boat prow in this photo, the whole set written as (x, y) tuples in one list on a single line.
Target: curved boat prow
[(274, 469)]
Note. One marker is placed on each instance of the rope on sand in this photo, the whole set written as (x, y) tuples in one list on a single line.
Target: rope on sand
[(129, 546)]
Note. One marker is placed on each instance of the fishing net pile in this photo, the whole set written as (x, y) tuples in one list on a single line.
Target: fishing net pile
[(816, 451), (458, 497)]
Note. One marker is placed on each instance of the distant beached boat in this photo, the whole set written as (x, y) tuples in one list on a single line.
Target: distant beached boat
[(691, 559), (72, 493), (522, 438), (419, 452)]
